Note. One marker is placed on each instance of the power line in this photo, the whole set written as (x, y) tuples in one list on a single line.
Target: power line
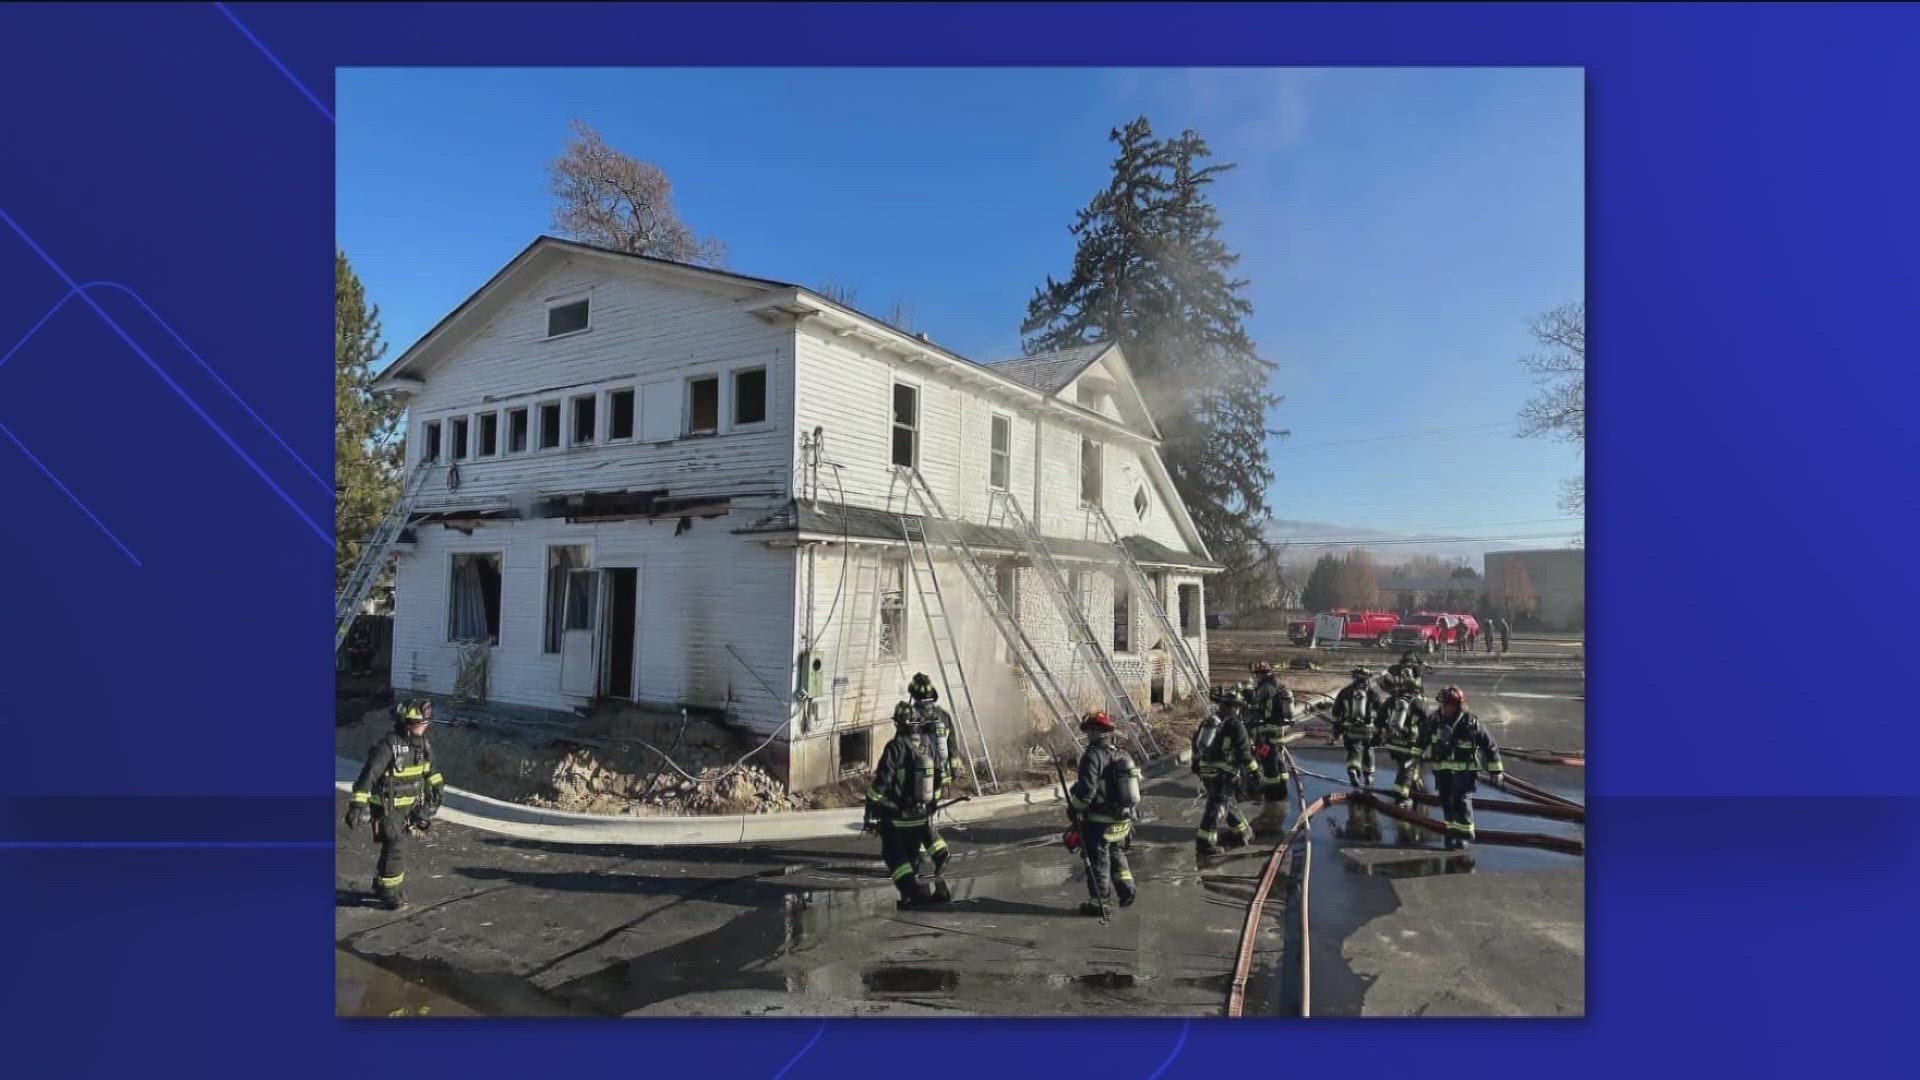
[(1446, 432), (1430, 540)]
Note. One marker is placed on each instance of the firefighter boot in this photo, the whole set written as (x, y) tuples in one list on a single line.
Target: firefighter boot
[(1237, 836), (1206, 844)]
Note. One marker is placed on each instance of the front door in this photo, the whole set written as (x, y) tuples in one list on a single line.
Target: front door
[(621, 606), (580, 634)]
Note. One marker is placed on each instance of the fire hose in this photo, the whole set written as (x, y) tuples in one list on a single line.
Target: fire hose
[(1243, 962)]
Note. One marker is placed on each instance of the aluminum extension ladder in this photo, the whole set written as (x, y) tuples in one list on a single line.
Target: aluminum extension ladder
[(1031, 663), (946, 650), (1142, 586), (1077, 625), (373, 557)]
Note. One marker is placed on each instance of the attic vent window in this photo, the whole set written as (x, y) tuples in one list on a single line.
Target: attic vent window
[(567, 318), (1140, 503)]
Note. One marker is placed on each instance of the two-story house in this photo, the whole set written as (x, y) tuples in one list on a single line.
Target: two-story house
[(681, 486)]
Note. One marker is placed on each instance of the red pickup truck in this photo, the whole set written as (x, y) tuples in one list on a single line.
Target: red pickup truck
[(1432, 631), (1368, 627)]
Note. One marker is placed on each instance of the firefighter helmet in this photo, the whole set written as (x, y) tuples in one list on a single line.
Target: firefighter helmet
[(412, 711), (1264, 667), (1362, 673), (1453, 695), (921, 688), (1097, 719)]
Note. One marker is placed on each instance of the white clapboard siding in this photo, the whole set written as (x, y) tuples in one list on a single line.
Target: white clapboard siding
[(644, 335), (698, 592), (846, 391)]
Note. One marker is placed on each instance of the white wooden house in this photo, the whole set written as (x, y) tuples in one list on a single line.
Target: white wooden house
[(682, 486)]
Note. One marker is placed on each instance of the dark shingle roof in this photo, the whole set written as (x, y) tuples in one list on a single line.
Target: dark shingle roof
[(1050, 373), (869, 524)]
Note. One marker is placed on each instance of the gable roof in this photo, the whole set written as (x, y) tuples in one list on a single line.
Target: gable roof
[(545, 247), (1051, 372)]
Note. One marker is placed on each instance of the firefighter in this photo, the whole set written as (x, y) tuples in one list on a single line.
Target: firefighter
[(1353, 720), (400, 791), (1271, 713), (1459, 749), (1101, 803), (1223, 756), (1402, 724), (938, 725), (900, 805)]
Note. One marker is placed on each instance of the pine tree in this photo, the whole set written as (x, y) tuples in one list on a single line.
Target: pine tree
[(365, 427), (1152, 275), (1323, 585)]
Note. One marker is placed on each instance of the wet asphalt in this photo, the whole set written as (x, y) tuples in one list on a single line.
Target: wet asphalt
[(497, 926)]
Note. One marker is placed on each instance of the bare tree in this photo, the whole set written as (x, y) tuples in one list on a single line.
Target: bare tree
[(1559, 409), (899, 314), (617, 201)]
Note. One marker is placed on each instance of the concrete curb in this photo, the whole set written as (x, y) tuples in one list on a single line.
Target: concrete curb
[(476, 811)]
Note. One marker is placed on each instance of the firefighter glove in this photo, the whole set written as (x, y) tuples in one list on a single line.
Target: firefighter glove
[(356, 816)]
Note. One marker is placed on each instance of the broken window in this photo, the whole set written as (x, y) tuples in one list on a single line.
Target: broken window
[(567, 318), (750, 396), (561, 559), (1122, 617), (1006, 581), (549, 425), (489, 435), (620, 414), (703, 405), (473, 598), (584, 420), (430, 442), (893, 609), (1089, 473), (1000, 453), (1077, 590), (855, 748), (906, 425), (457, 432), (1141, 504), (1190, 610), (516, 431)]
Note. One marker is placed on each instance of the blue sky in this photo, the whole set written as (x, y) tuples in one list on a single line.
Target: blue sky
[(1396, 227)]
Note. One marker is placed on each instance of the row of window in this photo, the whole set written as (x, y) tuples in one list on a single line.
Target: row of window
[(545, 427), (906, 451), (893, 605), (473, 600)]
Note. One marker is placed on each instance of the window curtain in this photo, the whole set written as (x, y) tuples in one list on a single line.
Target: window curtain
[(469, 603)]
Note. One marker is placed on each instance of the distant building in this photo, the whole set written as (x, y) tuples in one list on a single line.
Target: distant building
[(1554, 578)]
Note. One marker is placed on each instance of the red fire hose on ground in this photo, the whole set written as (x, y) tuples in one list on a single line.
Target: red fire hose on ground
[(1541, 804)]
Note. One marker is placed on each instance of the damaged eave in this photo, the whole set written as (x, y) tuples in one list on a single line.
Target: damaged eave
[(605, 506)]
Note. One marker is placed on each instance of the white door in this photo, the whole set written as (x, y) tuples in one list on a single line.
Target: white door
[(580, 634)]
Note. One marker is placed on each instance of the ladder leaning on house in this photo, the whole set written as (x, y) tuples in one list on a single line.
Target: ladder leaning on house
[(937, 526), (373, 557), (1142, 586), (1081, 632), (946, 650)]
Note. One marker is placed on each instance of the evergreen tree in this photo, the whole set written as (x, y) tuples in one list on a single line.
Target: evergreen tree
[(1152, 275), (365, 427), (1323, 585)]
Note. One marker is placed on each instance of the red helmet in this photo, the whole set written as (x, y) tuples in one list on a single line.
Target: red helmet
[(1097, 720), (1264, 667), (1455, 695)]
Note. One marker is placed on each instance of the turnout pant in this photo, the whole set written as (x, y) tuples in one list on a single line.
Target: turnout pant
[(1456, 800), (1107, 871), (903, 841), (1406, 777), (1273, 775), (390, 874), (1222, 787), (1360, 755)]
